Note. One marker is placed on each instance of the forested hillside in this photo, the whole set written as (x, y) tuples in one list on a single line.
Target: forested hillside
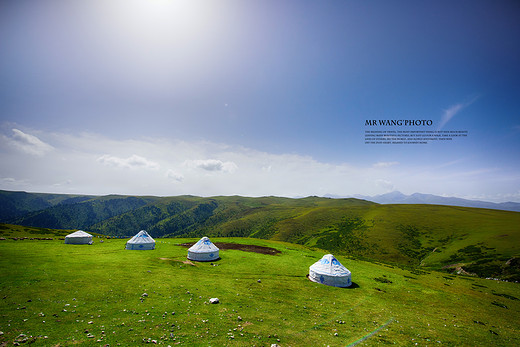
[(16, 204), (460, 239)]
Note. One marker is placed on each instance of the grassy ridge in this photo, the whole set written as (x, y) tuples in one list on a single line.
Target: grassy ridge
[(59, 294)]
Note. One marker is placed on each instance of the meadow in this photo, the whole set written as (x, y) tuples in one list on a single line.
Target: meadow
[(53, 294), (477, 241)]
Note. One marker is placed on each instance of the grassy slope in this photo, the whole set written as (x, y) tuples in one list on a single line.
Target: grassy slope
[(66, 292), (416, 235)]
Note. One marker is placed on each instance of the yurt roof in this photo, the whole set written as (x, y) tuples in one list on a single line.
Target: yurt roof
[(204, 245), (142, 237), (329, 265), (79, 233)]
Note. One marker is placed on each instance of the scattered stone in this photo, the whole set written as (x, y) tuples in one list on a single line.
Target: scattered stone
[(259, 281), (214, 301), (90, 335), (336, 334), (144, 295), (239, 318)]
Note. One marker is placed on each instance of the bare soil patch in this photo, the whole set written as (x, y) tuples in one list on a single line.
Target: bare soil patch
[(187, 262), (240, 247)]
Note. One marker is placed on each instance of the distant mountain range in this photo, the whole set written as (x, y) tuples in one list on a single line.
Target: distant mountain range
[(417, 198)]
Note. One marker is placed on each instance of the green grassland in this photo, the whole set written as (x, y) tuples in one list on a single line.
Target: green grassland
[(53, 294), (480, 242)]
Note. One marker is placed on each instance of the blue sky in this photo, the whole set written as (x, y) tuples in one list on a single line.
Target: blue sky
[(257, 98)]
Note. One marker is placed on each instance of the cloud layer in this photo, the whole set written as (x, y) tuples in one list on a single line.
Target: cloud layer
[(92, 164)]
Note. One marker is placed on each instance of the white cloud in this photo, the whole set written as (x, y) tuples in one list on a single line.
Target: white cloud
[(59, 184), (212, 165), (132, 162), (27, 143), (385, 164)]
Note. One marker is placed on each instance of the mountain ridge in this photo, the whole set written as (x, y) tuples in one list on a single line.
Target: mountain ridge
[(397, 197)]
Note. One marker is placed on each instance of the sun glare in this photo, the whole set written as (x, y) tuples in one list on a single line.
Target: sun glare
[(156, 19)]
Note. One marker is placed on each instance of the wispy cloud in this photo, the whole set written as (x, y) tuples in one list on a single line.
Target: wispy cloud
[(28, 143), (452, 111), (174, 175), (385, 164), (386, 185), (133, 162)]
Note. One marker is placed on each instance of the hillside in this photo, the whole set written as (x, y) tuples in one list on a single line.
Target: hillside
[(60, 211), (56, 294), (475, 241), (17, 204)]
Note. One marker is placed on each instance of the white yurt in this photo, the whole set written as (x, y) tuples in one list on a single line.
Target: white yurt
[(203, 250), (329, 271), (79, 238), (141, 241)]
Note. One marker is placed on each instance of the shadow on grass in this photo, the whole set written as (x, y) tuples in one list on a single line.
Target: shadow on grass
[(353, 285)]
